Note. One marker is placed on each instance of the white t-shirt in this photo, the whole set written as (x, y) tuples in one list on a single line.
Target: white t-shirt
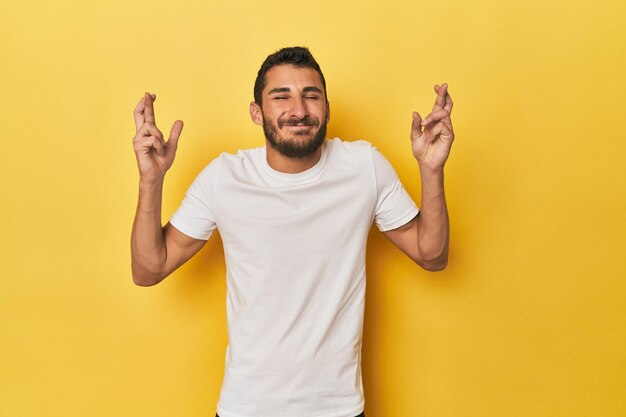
[(295, 258)]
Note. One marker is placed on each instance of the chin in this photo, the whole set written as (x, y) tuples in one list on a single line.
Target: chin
[(298, 148), (301, 144)]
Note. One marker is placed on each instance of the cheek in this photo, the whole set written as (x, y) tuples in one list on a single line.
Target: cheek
[(322, 112), (276, 112), (272, 114)]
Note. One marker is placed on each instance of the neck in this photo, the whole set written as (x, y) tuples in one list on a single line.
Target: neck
[(282, 163)]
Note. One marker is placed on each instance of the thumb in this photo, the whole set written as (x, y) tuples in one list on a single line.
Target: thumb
[(172, 142), (416, 127)]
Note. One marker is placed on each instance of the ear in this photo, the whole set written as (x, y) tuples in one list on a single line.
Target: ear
[(327, 111), (256, 114)]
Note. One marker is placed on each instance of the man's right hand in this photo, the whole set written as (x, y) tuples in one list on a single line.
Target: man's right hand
[(154, 155)]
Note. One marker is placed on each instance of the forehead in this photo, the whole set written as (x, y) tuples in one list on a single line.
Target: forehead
[(293, 77)]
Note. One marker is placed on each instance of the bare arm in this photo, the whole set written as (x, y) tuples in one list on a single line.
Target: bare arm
[(425, 239), (156, 251)]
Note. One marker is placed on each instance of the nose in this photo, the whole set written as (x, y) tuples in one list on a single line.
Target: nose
[(298, 108)]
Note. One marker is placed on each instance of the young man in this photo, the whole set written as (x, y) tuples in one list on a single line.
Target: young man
[(294, 217)]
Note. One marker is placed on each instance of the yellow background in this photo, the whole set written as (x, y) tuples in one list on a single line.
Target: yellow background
[(529, 319)]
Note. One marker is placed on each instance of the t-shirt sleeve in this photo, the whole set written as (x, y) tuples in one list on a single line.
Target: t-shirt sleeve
[(195, 216), (394, 206)]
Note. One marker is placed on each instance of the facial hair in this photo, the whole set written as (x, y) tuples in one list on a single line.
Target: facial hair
[(292, 148)]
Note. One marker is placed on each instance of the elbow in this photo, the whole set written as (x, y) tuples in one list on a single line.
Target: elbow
[(434, 267), (143, 282), (145, 279), (431, 260)]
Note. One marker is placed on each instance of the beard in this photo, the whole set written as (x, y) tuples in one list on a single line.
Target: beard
[(293, 147)]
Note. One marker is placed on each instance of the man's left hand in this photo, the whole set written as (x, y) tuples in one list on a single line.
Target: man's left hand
[(432, 137)]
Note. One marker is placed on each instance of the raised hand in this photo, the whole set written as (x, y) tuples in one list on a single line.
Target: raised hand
[(432, 137), (154, 155)]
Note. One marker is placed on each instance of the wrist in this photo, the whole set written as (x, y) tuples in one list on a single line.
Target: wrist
[(151, 182), (426, 171)]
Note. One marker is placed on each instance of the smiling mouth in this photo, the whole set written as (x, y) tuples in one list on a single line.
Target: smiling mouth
[(300, 130), (304, 123)]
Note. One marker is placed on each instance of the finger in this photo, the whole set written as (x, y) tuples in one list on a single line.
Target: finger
[(435, 132), (158, 145), (440, 100), (172, 142), (448, 107), (446, 133), (139, 110), (416, 127), (449, 103), (148, 129), (440, 131), (148, 113), (138, 114), (435, 116), (147, 143)]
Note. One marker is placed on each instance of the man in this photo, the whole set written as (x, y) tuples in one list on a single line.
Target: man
[(294, 217)]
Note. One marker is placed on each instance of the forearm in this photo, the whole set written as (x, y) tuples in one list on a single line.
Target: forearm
[(148, 248), (433, 223)]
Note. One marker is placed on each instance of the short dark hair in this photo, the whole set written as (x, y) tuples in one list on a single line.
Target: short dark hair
[(298, 56)]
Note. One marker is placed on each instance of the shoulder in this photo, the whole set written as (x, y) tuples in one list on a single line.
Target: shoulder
[(242, 156), (351, 146), (363, 154), (231, 161), (358, 149)]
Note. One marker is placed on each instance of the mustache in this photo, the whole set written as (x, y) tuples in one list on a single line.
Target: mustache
[(305, 121)]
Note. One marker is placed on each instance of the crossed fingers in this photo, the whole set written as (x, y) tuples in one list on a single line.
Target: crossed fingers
[(144, 111), (443, 99), (441, 109), (145, 122)]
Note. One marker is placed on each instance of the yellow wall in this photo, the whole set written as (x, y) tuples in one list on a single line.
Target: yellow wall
[(529, 319)]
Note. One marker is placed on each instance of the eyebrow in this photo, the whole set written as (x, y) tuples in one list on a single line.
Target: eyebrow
[(287, 90), (279, 90), (315, 89)]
